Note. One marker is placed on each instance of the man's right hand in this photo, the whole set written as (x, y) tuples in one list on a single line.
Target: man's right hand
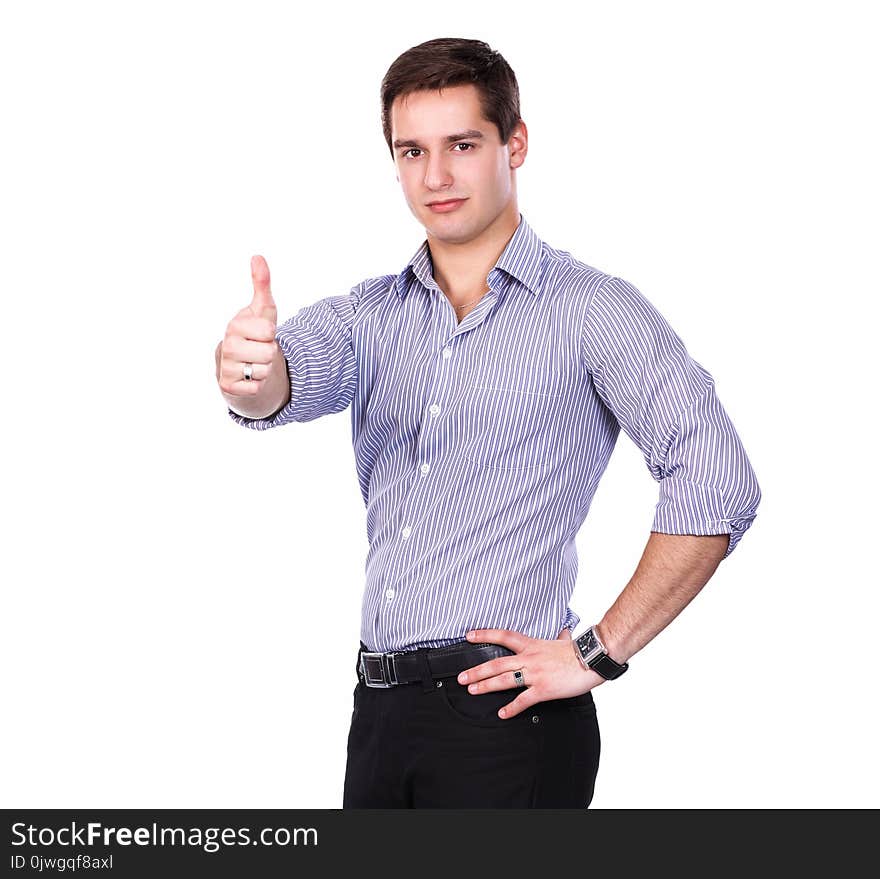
[(250, 338)]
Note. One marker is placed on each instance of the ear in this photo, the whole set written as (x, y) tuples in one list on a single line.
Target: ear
[(518, 144)]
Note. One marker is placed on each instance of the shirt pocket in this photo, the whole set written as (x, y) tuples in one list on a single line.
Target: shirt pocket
[(510, 428)]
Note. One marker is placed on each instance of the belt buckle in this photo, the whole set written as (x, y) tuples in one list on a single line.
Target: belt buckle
[(378, 669)]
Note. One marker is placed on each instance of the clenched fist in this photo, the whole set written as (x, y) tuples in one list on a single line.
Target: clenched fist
[(250, 339)]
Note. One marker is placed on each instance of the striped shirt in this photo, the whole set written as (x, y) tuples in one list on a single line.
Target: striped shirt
[(479, 445)]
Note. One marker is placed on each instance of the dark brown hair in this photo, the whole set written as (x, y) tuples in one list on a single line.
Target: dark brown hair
[(449, 61)]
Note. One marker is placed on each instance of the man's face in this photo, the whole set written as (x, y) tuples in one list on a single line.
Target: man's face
[(474, 165)]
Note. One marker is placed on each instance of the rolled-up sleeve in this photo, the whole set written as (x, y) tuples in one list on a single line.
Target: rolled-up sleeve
[(667, 404), (321, 365)]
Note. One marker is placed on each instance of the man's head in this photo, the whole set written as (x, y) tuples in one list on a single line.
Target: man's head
[(450, 116)]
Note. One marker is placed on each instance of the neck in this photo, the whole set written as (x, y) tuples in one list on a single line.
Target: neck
[(461, 269)]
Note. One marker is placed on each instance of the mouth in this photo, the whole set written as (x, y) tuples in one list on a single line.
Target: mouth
[(447, 205)]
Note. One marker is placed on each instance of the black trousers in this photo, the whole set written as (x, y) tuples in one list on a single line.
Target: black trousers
[(432, 744)]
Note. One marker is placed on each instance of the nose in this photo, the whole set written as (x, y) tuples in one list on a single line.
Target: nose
[(437, 174)]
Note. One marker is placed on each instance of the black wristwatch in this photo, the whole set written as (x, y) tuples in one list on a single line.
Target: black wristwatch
[(592, 654)]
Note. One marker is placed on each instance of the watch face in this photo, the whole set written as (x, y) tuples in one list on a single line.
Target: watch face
[(588, 645)]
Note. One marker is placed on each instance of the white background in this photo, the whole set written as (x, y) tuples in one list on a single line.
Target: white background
[(181, 595)]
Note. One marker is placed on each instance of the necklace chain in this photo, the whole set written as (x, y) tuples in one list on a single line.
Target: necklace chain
[(469, 303)]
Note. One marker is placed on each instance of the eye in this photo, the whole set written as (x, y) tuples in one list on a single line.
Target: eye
[(405, 153)]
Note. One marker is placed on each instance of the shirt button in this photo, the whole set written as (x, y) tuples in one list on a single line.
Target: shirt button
[(434, 409), (389, 594), (447, 353), (405, 532), (425, 468)]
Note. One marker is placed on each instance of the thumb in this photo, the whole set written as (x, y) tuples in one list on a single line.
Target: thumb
[(565, 633), (262, 305)]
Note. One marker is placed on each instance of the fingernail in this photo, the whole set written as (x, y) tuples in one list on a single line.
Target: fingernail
[(462, 678)]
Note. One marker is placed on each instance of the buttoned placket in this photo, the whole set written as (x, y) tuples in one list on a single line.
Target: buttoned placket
[(448, 335)]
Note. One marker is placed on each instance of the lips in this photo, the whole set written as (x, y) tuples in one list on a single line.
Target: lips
[(443, 207), (445, 201)]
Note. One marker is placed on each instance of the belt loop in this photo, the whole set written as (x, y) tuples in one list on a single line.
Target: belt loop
[(427, 677), (357, 665)]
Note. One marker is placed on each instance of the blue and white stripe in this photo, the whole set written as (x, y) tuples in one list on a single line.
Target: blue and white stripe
[(479, 445)]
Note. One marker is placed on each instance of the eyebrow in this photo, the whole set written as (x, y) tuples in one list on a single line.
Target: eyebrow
[(470, 134)]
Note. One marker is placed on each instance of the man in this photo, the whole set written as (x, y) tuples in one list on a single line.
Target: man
[(488, 383)]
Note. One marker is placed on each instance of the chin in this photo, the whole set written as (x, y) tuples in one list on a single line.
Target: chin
[(456, 235), (448, 224)]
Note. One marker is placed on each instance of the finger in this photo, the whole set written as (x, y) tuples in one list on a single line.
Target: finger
[(233, 371), (505, 637), (262, 305), (247, 351), (241, 388), (490, 668), (565, 633), (502, 681), (523, 701), (244, 324)]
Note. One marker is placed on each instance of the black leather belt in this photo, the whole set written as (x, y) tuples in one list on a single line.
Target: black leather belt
[(407, 666)]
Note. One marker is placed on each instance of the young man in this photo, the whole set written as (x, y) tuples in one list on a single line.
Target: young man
[(488, 382)]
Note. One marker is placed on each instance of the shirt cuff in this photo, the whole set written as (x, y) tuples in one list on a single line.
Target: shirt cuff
[(571, 620), (678, 495)]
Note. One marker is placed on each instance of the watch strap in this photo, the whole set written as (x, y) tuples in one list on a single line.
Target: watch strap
[(604, 665)]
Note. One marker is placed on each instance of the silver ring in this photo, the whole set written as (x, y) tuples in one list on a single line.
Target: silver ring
[(518, 677), (248, 372)]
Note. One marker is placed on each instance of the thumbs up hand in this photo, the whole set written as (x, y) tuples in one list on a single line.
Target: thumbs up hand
[(249, 344)]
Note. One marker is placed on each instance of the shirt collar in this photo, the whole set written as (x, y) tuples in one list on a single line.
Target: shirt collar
[(520, 259)]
